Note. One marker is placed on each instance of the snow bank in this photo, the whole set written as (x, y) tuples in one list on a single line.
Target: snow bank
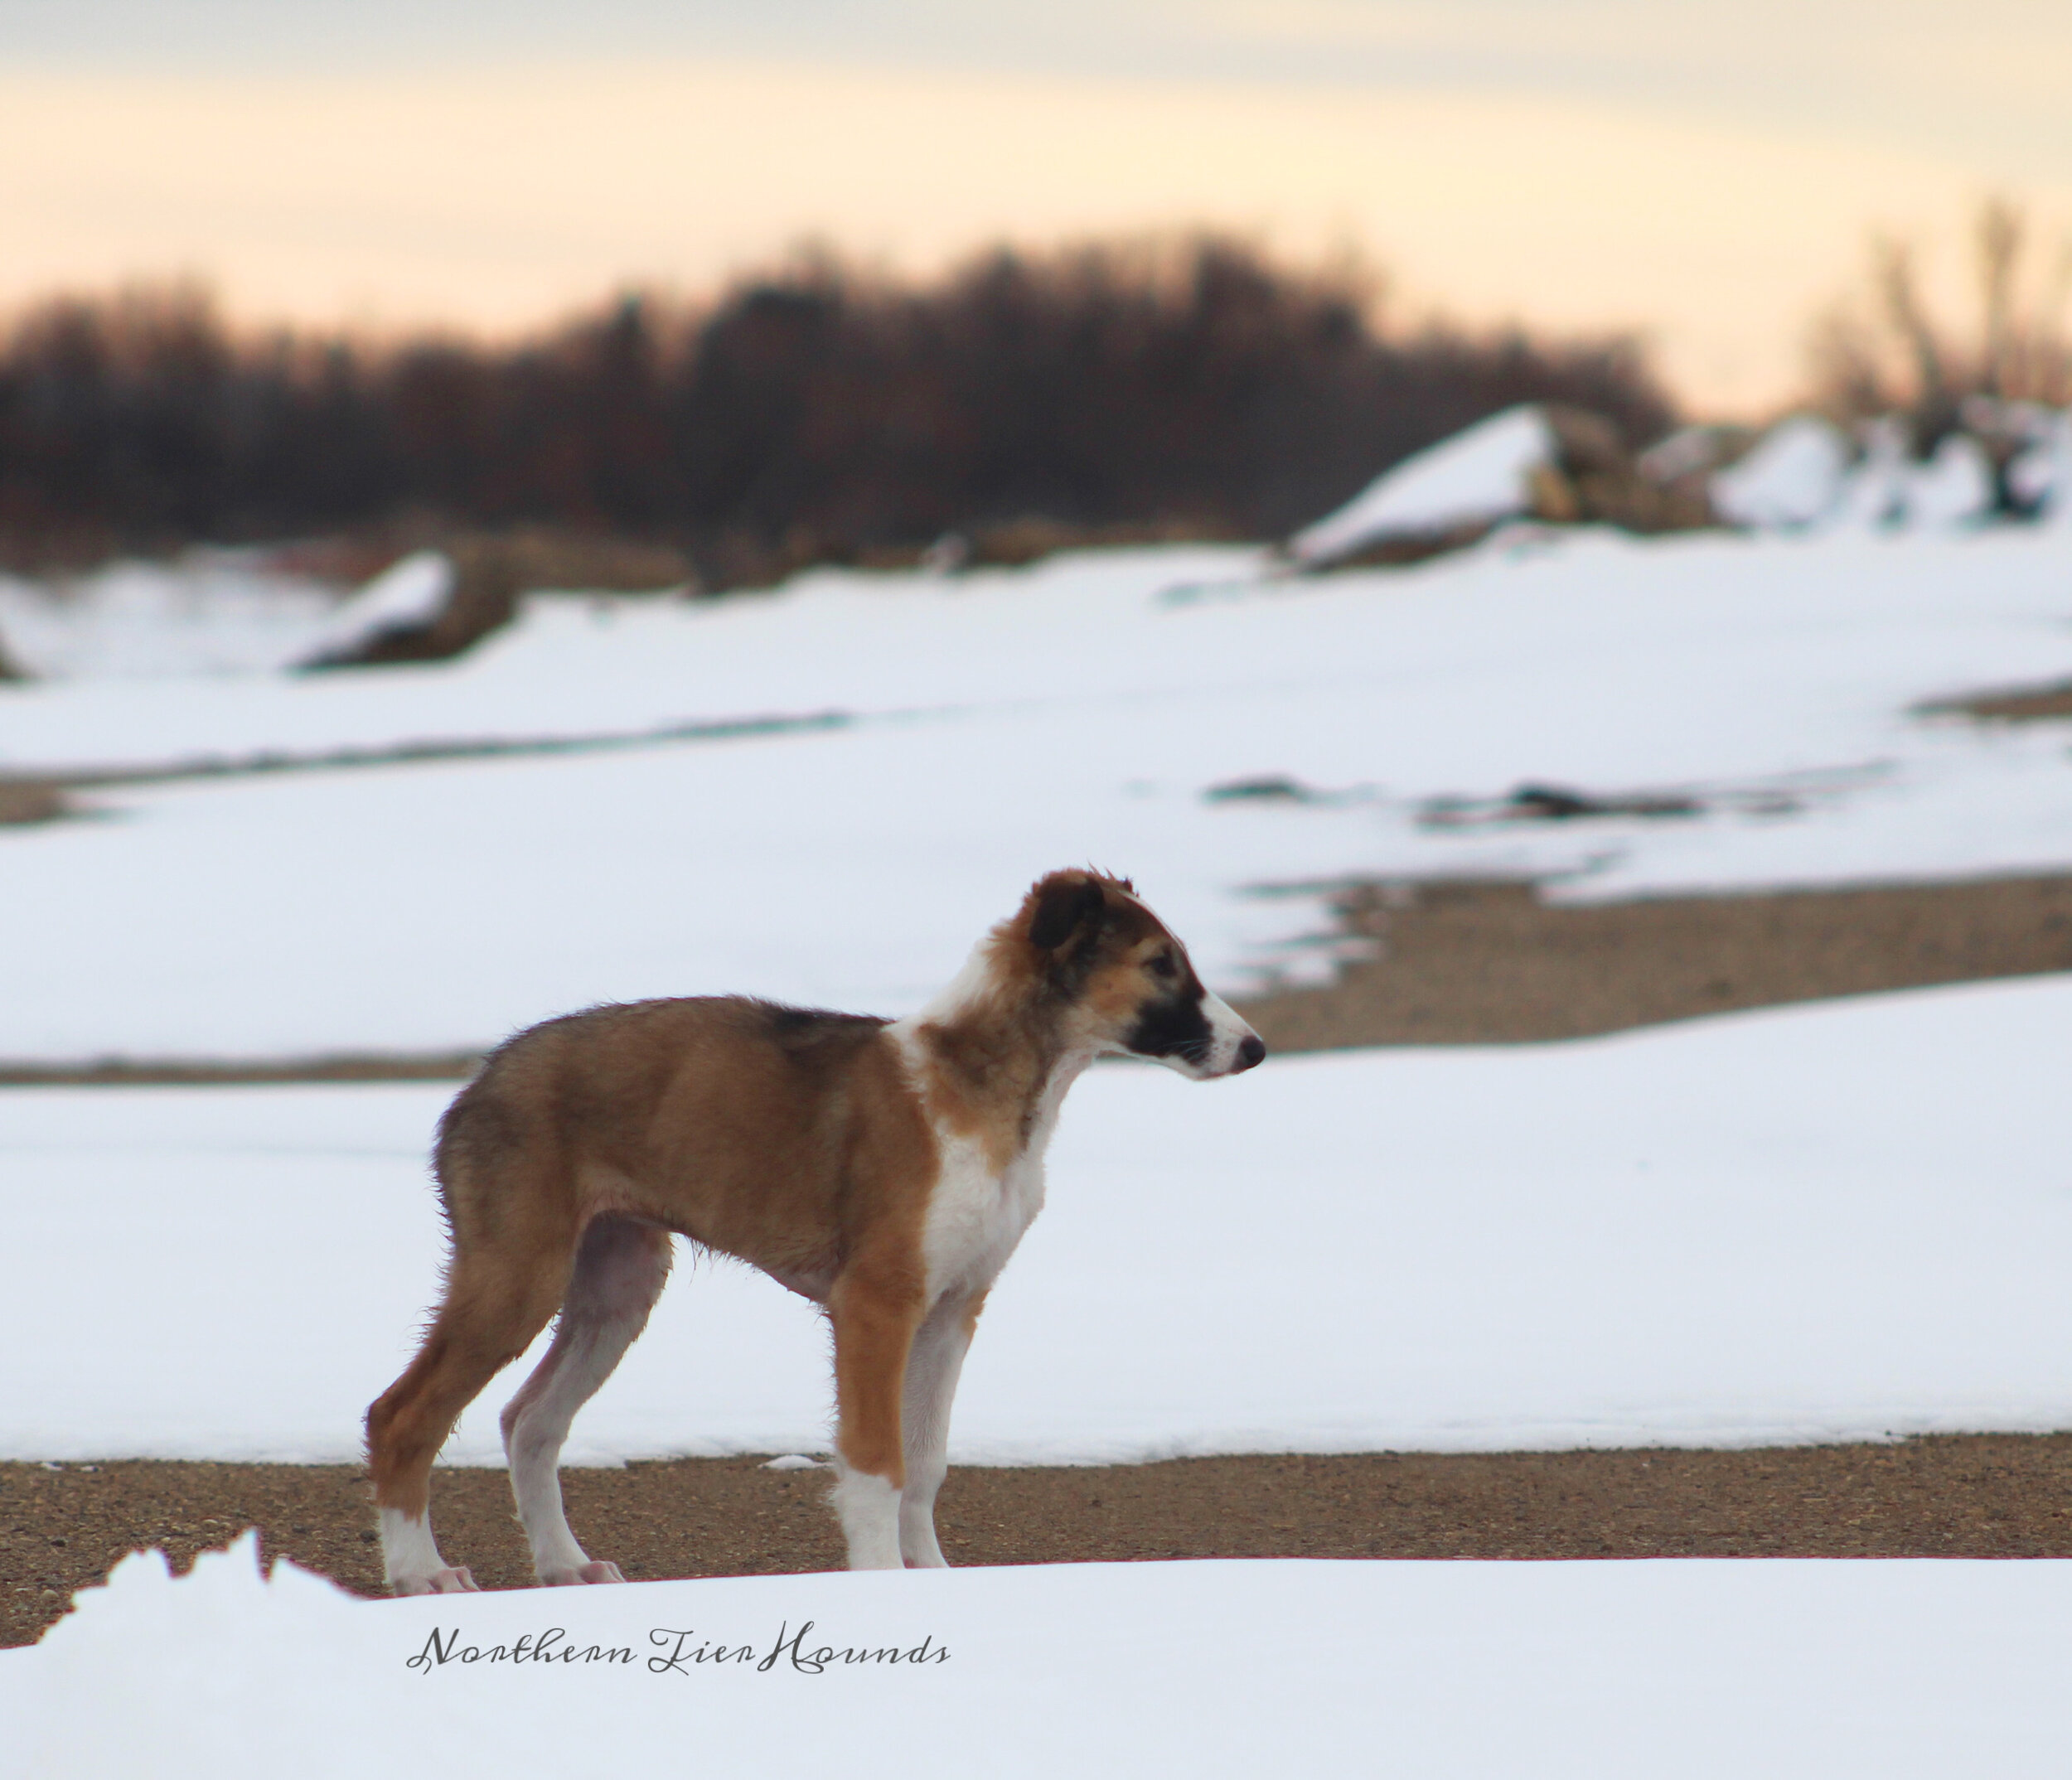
[(1832, 1222), (597, 664), (1955, 486), (1799, 477), (209, 615), (1480, 474), (1874, 494), (2043, 472), (411, 592), (1787, 1669), (1792, 478)]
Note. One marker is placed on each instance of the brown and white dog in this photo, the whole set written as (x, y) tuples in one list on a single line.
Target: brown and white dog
[(885, 1169)]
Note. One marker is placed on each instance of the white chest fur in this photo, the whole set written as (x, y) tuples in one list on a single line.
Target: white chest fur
[(977, 1215), (979, 1211)]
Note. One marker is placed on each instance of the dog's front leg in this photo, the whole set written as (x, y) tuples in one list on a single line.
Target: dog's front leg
[(875, 1313), (939, 1347)]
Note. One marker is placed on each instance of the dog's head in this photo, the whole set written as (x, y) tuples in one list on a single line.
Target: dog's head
[(1122, 981)]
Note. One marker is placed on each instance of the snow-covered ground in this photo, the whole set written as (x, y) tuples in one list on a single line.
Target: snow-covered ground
[(1831, 1222), (1794, 1671), (997, 725), (214, 612), (1846, 1221)]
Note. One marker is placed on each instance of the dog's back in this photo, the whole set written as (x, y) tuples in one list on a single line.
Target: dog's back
[(760, 1130)]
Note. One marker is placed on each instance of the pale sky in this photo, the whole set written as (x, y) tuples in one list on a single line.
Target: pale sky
[(1706, 170)]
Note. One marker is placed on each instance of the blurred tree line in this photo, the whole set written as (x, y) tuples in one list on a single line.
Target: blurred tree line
[(1190, 387)]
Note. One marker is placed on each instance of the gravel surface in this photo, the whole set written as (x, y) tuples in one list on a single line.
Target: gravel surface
[(1977, 1496)]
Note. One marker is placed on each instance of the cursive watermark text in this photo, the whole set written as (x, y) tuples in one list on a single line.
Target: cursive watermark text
[(675, 1653)]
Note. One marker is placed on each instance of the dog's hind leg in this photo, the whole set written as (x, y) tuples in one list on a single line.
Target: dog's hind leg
[(937, 1356), (620, 1269), (497, 1299)]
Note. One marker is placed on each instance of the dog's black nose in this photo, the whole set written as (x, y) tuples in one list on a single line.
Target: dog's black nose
[(1251, 1051)]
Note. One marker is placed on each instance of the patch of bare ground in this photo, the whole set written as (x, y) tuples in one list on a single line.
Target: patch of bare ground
[(266, 762), (23, 801), (2014, 704), (1997, 1495), (1466, 962), (134, 1073)]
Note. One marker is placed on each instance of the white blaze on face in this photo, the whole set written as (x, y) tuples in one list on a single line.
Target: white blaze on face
[(1237, 1047), (1233, 1046)]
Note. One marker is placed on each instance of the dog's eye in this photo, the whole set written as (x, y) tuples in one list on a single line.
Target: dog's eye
[(1162, 966)]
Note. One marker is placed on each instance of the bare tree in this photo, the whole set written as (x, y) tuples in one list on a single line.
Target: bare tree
[(2001, 229), (1892, 355), (1899, 292)]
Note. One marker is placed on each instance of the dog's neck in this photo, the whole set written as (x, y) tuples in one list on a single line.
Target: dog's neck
[(997, 1052)]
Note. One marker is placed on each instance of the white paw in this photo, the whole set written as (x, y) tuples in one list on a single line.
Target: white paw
[(456, 1579), (573, 1575), (921, 1551)]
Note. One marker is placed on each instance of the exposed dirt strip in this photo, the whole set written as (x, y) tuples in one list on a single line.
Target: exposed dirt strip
[(1979, 1496), (2011, 704), (40, 797), (1497, 963), (121, 1073)]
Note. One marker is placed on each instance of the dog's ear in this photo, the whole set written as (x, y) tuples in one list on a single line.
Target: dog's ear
[(1065, 906)]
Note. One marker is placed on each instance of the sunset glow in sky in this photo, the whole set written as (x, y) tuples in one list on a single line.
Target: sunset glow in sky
[(1706, 170)]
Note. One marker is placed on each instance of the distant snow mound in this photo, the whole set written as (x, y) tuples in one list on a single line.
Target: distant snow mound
[(406, 596), (1477, 477), (1889, 492), (2040, 474), (1955, 487), (1873, 497), (1793, 477)]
